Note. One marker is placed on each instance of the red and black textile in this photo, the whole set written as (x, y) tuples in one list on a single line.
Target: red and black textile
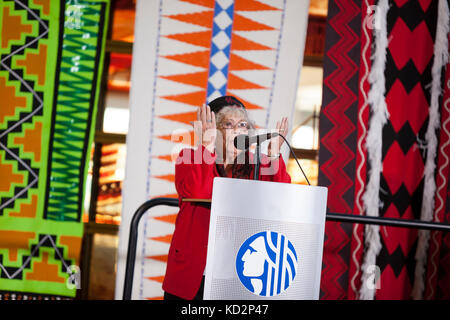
[(338, 132), (343, 164), (437, 284), (411, 30)]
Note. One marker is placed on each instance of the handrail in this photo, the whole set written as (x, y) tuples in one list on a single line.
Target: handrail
[(392, 222), (132, 241), (339, 217)]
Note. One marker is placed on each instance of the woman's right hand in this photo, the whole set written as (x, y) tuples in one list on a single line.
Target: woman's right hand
[(208, 132)]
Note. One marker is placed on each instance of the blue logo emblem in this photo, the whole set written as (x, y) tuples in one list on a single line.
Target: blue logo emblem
[(266, 263)]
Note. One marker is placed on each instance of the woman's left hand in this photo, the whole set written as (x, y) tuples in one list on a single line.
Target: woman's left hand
[(276, 143)]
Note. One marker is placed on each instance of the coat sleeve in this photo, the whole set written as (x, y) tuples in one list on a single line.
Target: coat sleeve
[(194, 173), (274, 170)]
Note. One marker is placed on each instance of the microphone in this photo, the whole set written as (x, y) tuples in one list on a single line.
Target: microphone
[(243, 141)]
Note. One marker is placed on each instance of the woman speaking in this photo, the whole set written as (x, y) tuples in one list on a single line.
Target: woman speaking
[(216, 156)]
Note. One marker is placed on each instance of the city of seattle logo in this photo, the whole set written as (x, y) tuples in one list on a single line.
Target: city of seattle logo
[(266, 263)]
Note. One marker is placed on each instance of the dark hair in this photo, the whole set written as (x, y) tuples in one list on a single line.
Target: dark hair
[(224, 101)]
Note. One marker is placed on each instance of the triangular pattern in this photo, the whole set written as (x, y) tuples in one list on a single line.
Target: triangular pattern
[(166, 238), (204, 3), (162, 258), (198, 58), (171, 218), (178, 137), (167, 195), (169, 157), (242, 23), (159, 279), (155, 298), (187, 117), (202, 38), (252, 5), (196, 79), (168, 177), (202, 18), (237, 64)]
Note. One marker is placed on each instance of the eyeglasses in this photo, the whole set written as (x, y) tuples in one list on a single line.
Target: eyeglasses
[(227, 124)]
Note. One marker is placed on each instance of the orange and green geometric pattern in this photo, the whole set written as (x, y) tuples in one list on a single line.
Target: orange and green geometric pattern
[(51, 56)]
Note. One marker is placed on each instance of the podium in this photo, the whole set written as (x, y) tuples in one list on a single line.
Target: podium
[(265, 241)]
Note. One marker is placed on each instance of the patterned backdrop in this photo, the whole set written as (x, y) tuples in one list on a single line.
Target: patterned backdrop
[(51, 58), (187, 52), (384, 151)]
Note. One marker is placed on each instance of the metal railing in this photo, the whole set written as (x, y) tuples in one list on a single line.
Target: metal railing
[(338, 217)]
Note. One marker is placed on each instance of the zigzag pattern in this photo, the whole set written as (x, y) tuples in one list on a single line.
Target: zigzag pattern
[(412, 24), (337, 156), (438, 267), (73, 112), (26, 48), (357, 245), (11, 124), (206, 48), (44, 240), (342, 126)]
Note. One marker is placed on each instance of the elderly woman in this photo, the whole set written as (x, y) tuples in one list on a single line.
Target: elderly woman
[(195, 170)]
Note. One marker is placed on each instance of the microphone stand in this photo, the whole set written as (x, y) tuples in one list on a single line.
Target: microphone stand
[(257, 154), (295, 157), (258, 158), (258, 161)]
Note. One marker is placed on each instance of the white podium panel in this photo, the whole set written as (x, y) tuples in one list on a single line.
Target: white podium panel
[(265, 240)]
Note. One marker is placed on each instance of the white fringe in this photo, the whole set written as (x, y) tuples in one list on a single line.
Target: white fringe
[(361, 141), (440, 60), (378, 118)]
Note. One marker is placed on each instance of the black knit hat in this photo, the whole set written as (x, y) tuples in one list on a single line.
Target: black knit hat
[(217, 104)]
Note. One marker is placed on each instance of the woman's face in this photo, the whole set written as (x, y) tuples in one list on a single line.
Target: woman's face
[(232, 125), (254, 258)]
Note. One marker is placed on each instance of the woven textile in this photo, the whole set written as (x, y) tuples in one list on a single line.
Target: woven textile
[(344, 157), (51, 59)]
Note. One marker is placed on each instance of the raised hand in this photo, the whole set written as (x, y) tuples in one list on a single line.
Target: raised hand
[(207, 119), (276, 143)]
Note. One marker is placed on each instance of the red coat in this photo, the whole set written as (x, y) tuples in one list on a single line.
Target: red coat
[(187, 253)]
